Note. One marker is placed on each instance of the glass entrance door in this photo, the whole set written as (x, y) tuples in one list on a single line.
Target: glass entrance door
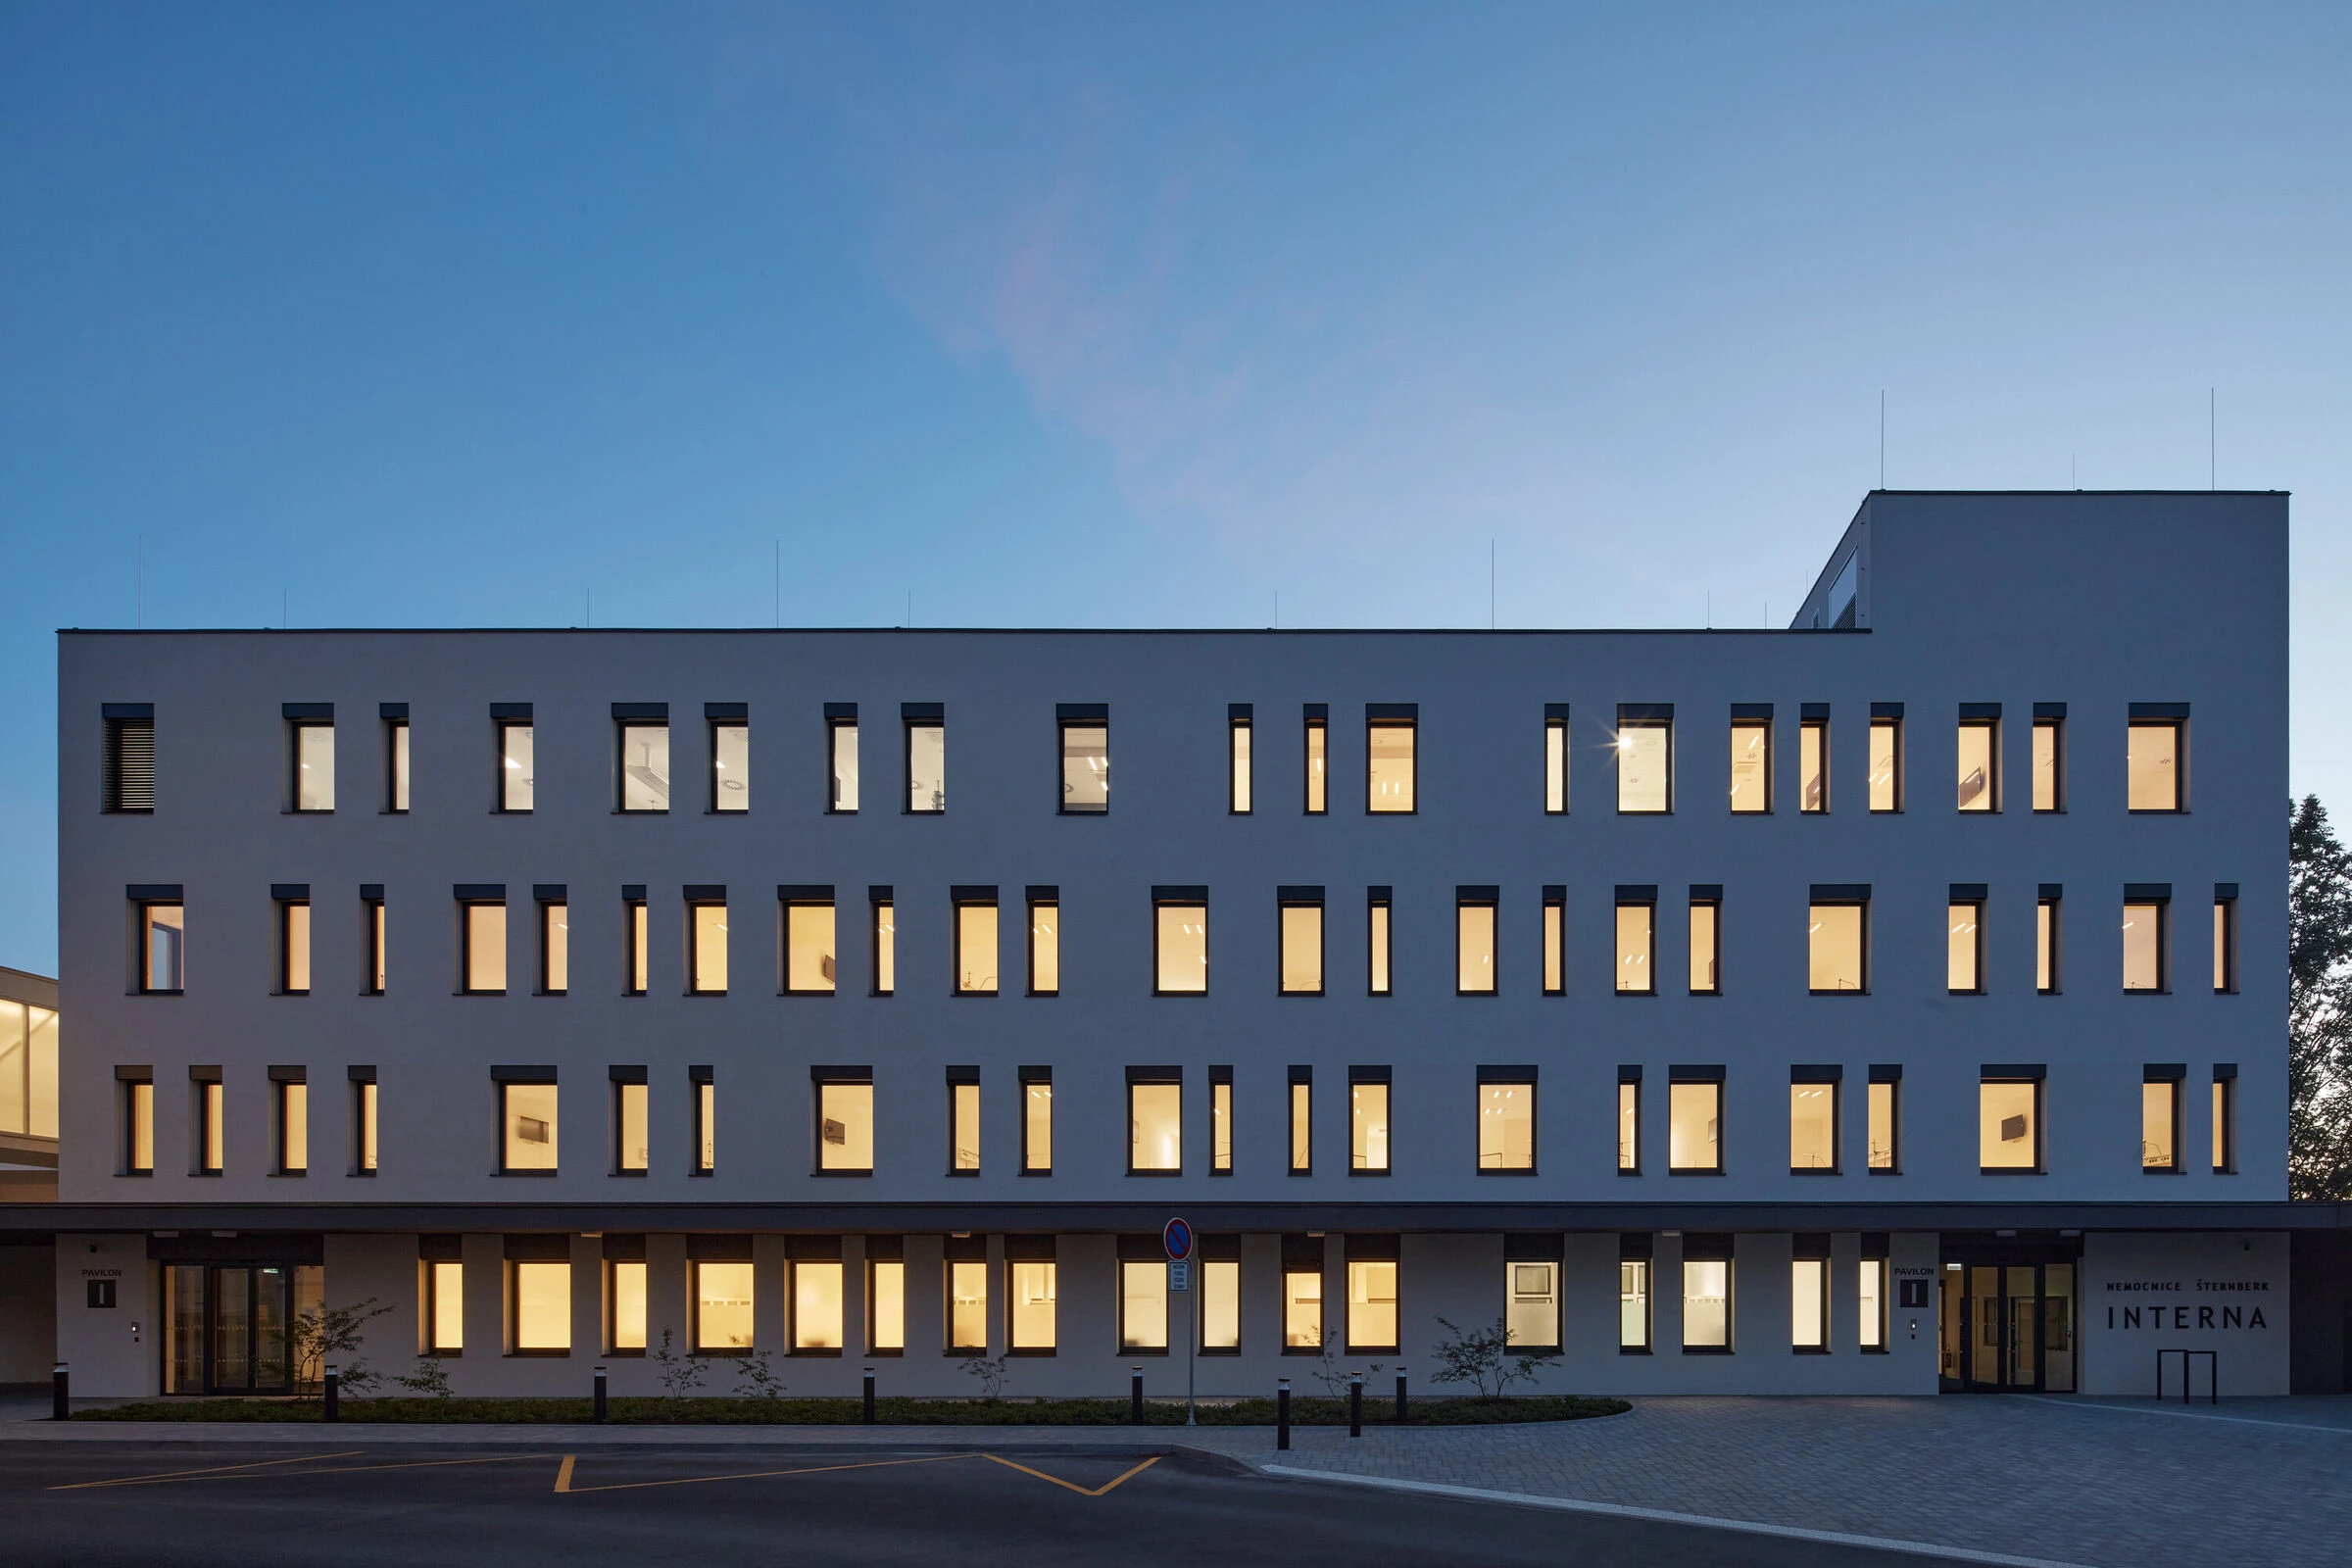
[(229, 1329), (2014, 1328)]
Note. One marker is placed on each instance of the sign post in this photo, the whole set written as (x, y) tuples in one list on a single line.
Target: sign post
[(1177, 1236)]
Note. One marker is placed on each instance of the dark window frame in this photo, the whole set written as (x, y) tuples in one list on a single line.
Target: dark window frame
[(1360, 1077), (1555, 733), (1815, 1249), (622, 725), (2174, 1077), (467, 903), (283, 902), (1220, 1085), (1029, 1078), (1036, 899), (1240, 721), (909, 724), (128, 1082), (636, 941), (1630, 897), (622, 1080), (1757, 716), (394, 737), (1814, 726), (1824, 896), (821, 1078), (1892, 1075), (1316, 727), (961, 1078), (1644, 721), (1301, 898), (1159, 1078), (789, 898), (2038, 1077), (2225, 1085), (701, 1112), (1893, 721), (1510, 1077), (1553, 970), (1835, 1080), (881, 904), (1301, 1078), (143, 943), (503, 1080), (1411, 725), (126, 752), (1169, 898), (1380, 941), (715, 717), (295, 725), (2178, 724), (1068, 717), (2225, 914), (374, 969), (367, 1152), (692, 900), (500, 725), (1713, 1077), (1488, 899), (1709, 897), (1970, 719), (2143, 896), (209, 1097), (1974, 899), (546, 900), (2052, 717), (837, 720), (1628, 1075), (959, 899), (2051, 897), (281, 1079)]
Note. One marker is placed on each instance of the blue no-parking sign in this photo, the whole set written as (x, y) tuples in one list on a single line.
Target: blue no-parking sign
[(1177, 1236)]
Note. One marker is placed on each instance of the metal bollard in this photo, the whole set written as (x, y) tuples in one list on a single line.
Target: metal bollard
[(1401, 1395), (332, 1408), (600, 1396), (869, 1395), (63, 1410), (1356, 1405), (1282, 1413), (1135, 1396)]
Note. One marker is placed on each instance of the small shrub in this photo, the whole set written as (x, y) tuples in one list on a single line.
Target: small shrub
[(991, 1371), (1484, 1359), (756, 1379), (319, 1332), (680, 1375), (1328, 1371), (431, 1379)]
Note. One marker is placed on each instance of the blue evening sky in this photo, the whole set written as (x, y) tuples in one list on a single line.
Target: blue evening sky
[(418, 315)]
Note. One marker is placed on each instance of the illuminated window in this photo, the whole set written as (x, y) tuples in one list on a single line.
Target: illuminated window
[(515, 773), (1037, 1121), (841, 757), (723, 1306), (1032, 1302), (1303, 1142), (967, 1305), (1706, 940), (817, 1307), (1084, 760), (1389, 753), (1220, 1121), (706, 937), (527, 1126), (2160, 1119), (312, 748), (1809, 1298), (396, 757), (1303, 1306), (2045, 940), (2009, 1122), (1706, 1299), (130, 776), (730, 760), (292, 1113), (1044, 942), (2225, 939), (844, 1125), (926, 763), (1813, 1120), (625, 1307), (1377, 908), (2225, 1119), (812, 954), (1154, 1121), (371, 916), (1318, 758), (1556, 941), (644, 765), (1870, 1305), (1180, 941), (1980, 762), (1531, 1308), (884, 923), (1507, 1119), (482, 922), (2153, 758), (1637, 943), (555, 946), (2049, 757), (163, 948), (137, 1124), (1964, 942), (975, 941), (362, 1121), (1633, 1298), (1474, 941), (1838, 943), (1813, 764), (1237, 758), (1301, 915), (1368, 1122), (211, 1136), (1695, 1125), (542, 1304), (2144, 945), (1628, 1120), (443, 1314), (639, 957), (1644, 761), (1143, 1304), (1371, 1304), (1886, 1119), (632, 1144), (1220, 1302), (1885, 760), (963, 1122), (884, 1298), (705, 1120), (294, 945), (1555, 758), (1751, 764)]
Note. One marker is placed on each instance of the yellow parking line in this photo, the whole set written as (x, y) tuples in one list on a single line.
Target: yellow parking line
[(176, 1475), (1072, 1485), (563, 1474), (247, 1472)]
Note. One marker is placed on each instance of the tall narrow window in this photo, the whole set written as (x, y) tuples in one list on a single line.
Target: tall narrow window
[(2045, 938), (1706, 1293), (975, 940), (1238, 725), (1964, 940), (730, 756), (723, 1305), (1530, 1302), (642, 731), (2049, 757), (527, 1113), (482, 923), (1377, 906), (1474, 953), (963, 1122), (1694, 1122), (1037, 1121), (1637, 941), (885, 921), (624, 1303), (1180, 940), (1629, 1121), (396, 757), (706, 941), (2144, 941), (841, 757), (555, 941), (1031, 1302), (540, 1305), (1084, 758), (362, 1121), (1154, 1121), (444, 1306), (1388, 755), (1645, 759), (1301, 1295), (703, 1083), (1372, 1313), (162, 946), (212, 1137), (2154, 757), (816, 1306), (1045, 940), (2160, 1119), (1220, 1295), (810, 951), (2009, 1119), (1507, 1119), (293, 940), (290, 1088), (1809, 1297), (1318, 758), (137, 1124), (2225, 938), (129, 785), (1752, 758), (1839, 939), (2225, 1119), (1143, 1296), (1220, 1121), (1885, 1120), (1555, 758), (372, 924), (926, 728), (516, 774), (845, 1121), (1707, 940), (1886, 756), (1870, 1302), (1813, 1120), (1632, 1295), (1980, 758), (1300, 912), (1303, 1126), (638, 958), (1368, 1122), (1813, 760), (632, 1122), (1555, 940), (885, 1296), (311, 748)]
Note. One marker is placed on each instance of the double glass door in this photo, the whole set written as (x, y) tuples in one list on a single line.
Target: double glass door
[(230, 1327), (2008, 1326)]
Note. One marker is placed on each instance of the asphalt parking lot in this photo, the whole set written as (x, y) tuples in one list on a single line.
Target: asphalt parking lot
[(359, 1504)]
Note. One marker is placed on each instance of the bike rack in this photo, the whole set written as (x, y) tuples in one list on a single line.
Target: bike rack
[(2213, 1373)]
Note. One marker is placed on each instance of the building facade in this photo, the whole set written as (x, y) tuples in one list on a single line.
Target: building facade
[(1889, 1002)]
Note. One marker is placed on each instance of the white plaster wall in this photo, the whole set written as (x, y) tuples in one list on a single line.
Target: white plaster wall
[(2148, 1291), (110, 1353)]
